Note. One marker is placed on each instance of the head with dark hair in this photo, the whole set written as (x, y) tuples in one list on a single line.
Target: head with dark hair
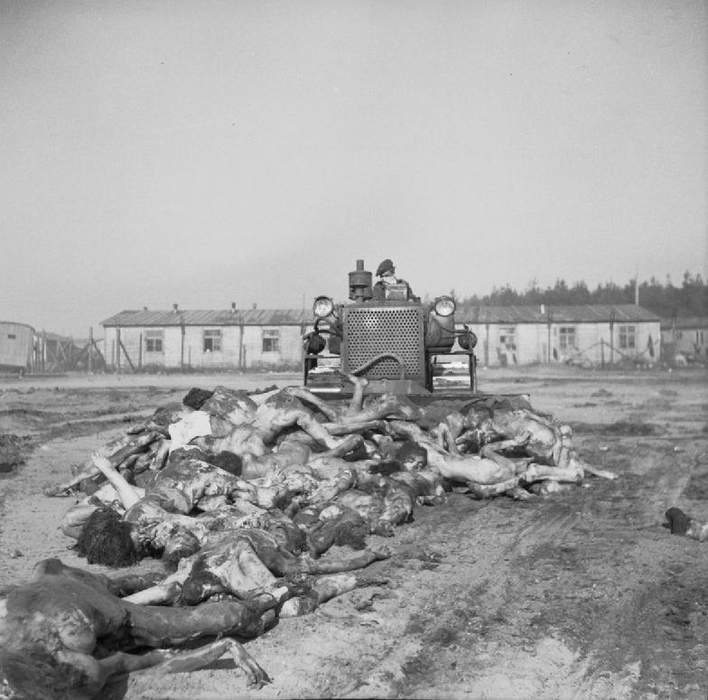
[(348, 529), (385, 467), (677, 521), (196, 398), (228, 461), (107, 539), (412, 455)]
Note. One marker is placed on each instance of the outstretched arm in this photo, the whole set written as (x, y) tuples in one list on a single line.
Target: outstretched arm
[(127, 494)]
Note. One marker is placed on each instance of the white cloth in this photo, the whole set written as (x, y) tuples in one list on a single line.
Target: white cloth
[(195, 424)]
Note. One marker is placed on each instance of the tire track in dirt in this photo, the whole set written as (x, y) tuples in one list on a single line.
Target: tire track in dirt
[(474, 611), (556, 591), (609, 536)]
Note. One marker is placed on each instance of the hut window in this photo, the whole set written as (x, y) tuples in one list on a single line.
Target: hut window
[(212, 341), (11, 336), (627, 337), (153, 341), (271, 340), (507, 337), (566, 337)]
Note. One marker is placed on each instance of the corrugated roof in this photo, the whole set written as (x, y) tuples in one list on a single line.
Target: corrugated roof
[(579, 313), (16, 323), (684, 322), (245, 317), (583, 313)]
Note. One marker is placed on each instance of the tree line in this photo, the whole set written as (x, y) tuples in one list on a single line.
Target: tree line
[(665, 299)]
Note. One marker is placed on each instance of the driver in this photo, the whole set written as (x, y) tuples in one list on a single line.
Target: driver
[(386, 272)]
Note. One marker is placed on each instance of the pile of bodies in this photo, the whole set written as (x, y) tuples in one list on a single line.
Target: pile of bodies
[(245, 496)]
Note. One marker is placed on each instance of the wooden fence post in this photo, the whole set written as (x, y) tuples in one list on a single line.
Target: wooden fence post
[(90, 348), (127, 357)]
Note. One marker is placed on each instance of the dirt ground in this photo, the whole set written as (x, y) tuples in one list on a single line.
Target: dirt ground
[(579, 594)]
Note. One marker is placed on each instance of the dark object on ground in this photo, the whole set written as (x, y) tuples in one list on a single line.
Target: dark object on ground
[(105, 539), (196, 398), (677, 521), (12, 449)]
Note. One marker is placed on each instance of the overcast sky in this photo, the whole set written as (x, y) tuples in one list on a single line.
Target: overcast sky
[(209, 152)]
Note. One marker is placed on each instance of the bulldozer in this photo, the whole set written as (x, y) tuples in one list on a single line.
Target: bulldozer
[(396, 342)]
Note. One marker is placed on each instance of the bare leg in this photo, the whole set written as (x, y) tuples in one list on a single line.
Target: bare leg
[(324, 589), (349, 443), (160, 594), (117, 585), (542, 472), (198, 658), (488, 490), (170, 661), (354, 426), (333, 565), (491, 452), (563, 446), (160, 626), (510, 444), (316, 430), (602, 473), (327, 410), (590, 469), (97, 672), (357, 402)]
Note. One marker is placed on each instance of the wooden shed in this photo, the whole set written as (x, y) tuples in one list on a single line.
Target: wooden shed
[(16, 346), (207, 339)]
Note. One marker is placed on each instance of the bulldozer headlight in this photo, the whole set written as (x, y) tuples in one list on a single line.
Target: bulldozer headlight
[(444, 306), (467, 340), (323, 307)]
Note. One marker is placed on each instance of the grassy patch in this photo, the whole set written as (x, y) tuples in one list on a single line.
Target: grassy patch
[(621, 427), (697, 487)]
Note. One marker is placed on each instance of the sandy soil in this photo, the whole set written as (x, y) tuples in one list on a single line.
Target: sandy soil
[(581, 594)]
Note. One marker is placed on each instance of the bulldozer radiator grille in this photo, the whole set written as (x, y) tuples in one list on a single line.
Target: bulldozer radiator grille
[(370, 333)]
